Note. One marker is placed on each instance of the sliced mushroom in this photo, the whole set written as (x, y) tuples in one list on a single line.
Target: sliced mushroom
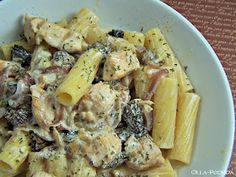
[(63, 59), (133, 117), (19, 116), (20, 55), (116, 33), (101, 105)]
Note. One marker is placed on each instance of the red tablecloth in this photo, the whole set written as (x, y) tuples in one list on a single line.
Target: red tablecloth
[(216, 19)]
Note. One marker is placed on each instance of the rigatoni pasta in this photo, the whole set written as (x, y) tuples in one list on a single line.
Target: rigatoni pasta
[(83, 20), (80, 100), (14, 153), (155, 41), (188, 105), (164, 113), (80, 78)]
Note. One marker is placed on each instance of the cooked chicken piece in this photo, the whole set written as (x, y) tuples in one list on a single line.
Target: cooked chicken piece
[(143, 153), (46, 110), (124, 94), (41, 58), (43, 113), (102, 147), (37, 30), (102, 105), (100, 99), (119, 64)]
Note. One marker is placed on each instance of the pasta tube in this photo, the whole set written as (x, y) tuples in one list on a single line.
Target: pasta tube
[(188, 105), (5, 49), (80, 77), (79, 166), (83, 20), (14, 153), (155, 41), (134, 37), (165, 105)]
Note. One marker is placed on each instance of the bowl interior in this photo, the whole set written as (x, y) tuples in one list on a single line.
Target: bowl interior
[(215, 127)]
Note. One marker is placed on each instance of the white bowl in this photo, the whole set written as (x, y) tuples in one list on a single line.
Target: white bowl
[(215, 128)]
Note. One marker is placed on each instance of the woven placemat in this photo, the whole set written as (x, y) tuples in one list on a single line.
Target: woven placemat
[(216, 20)]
